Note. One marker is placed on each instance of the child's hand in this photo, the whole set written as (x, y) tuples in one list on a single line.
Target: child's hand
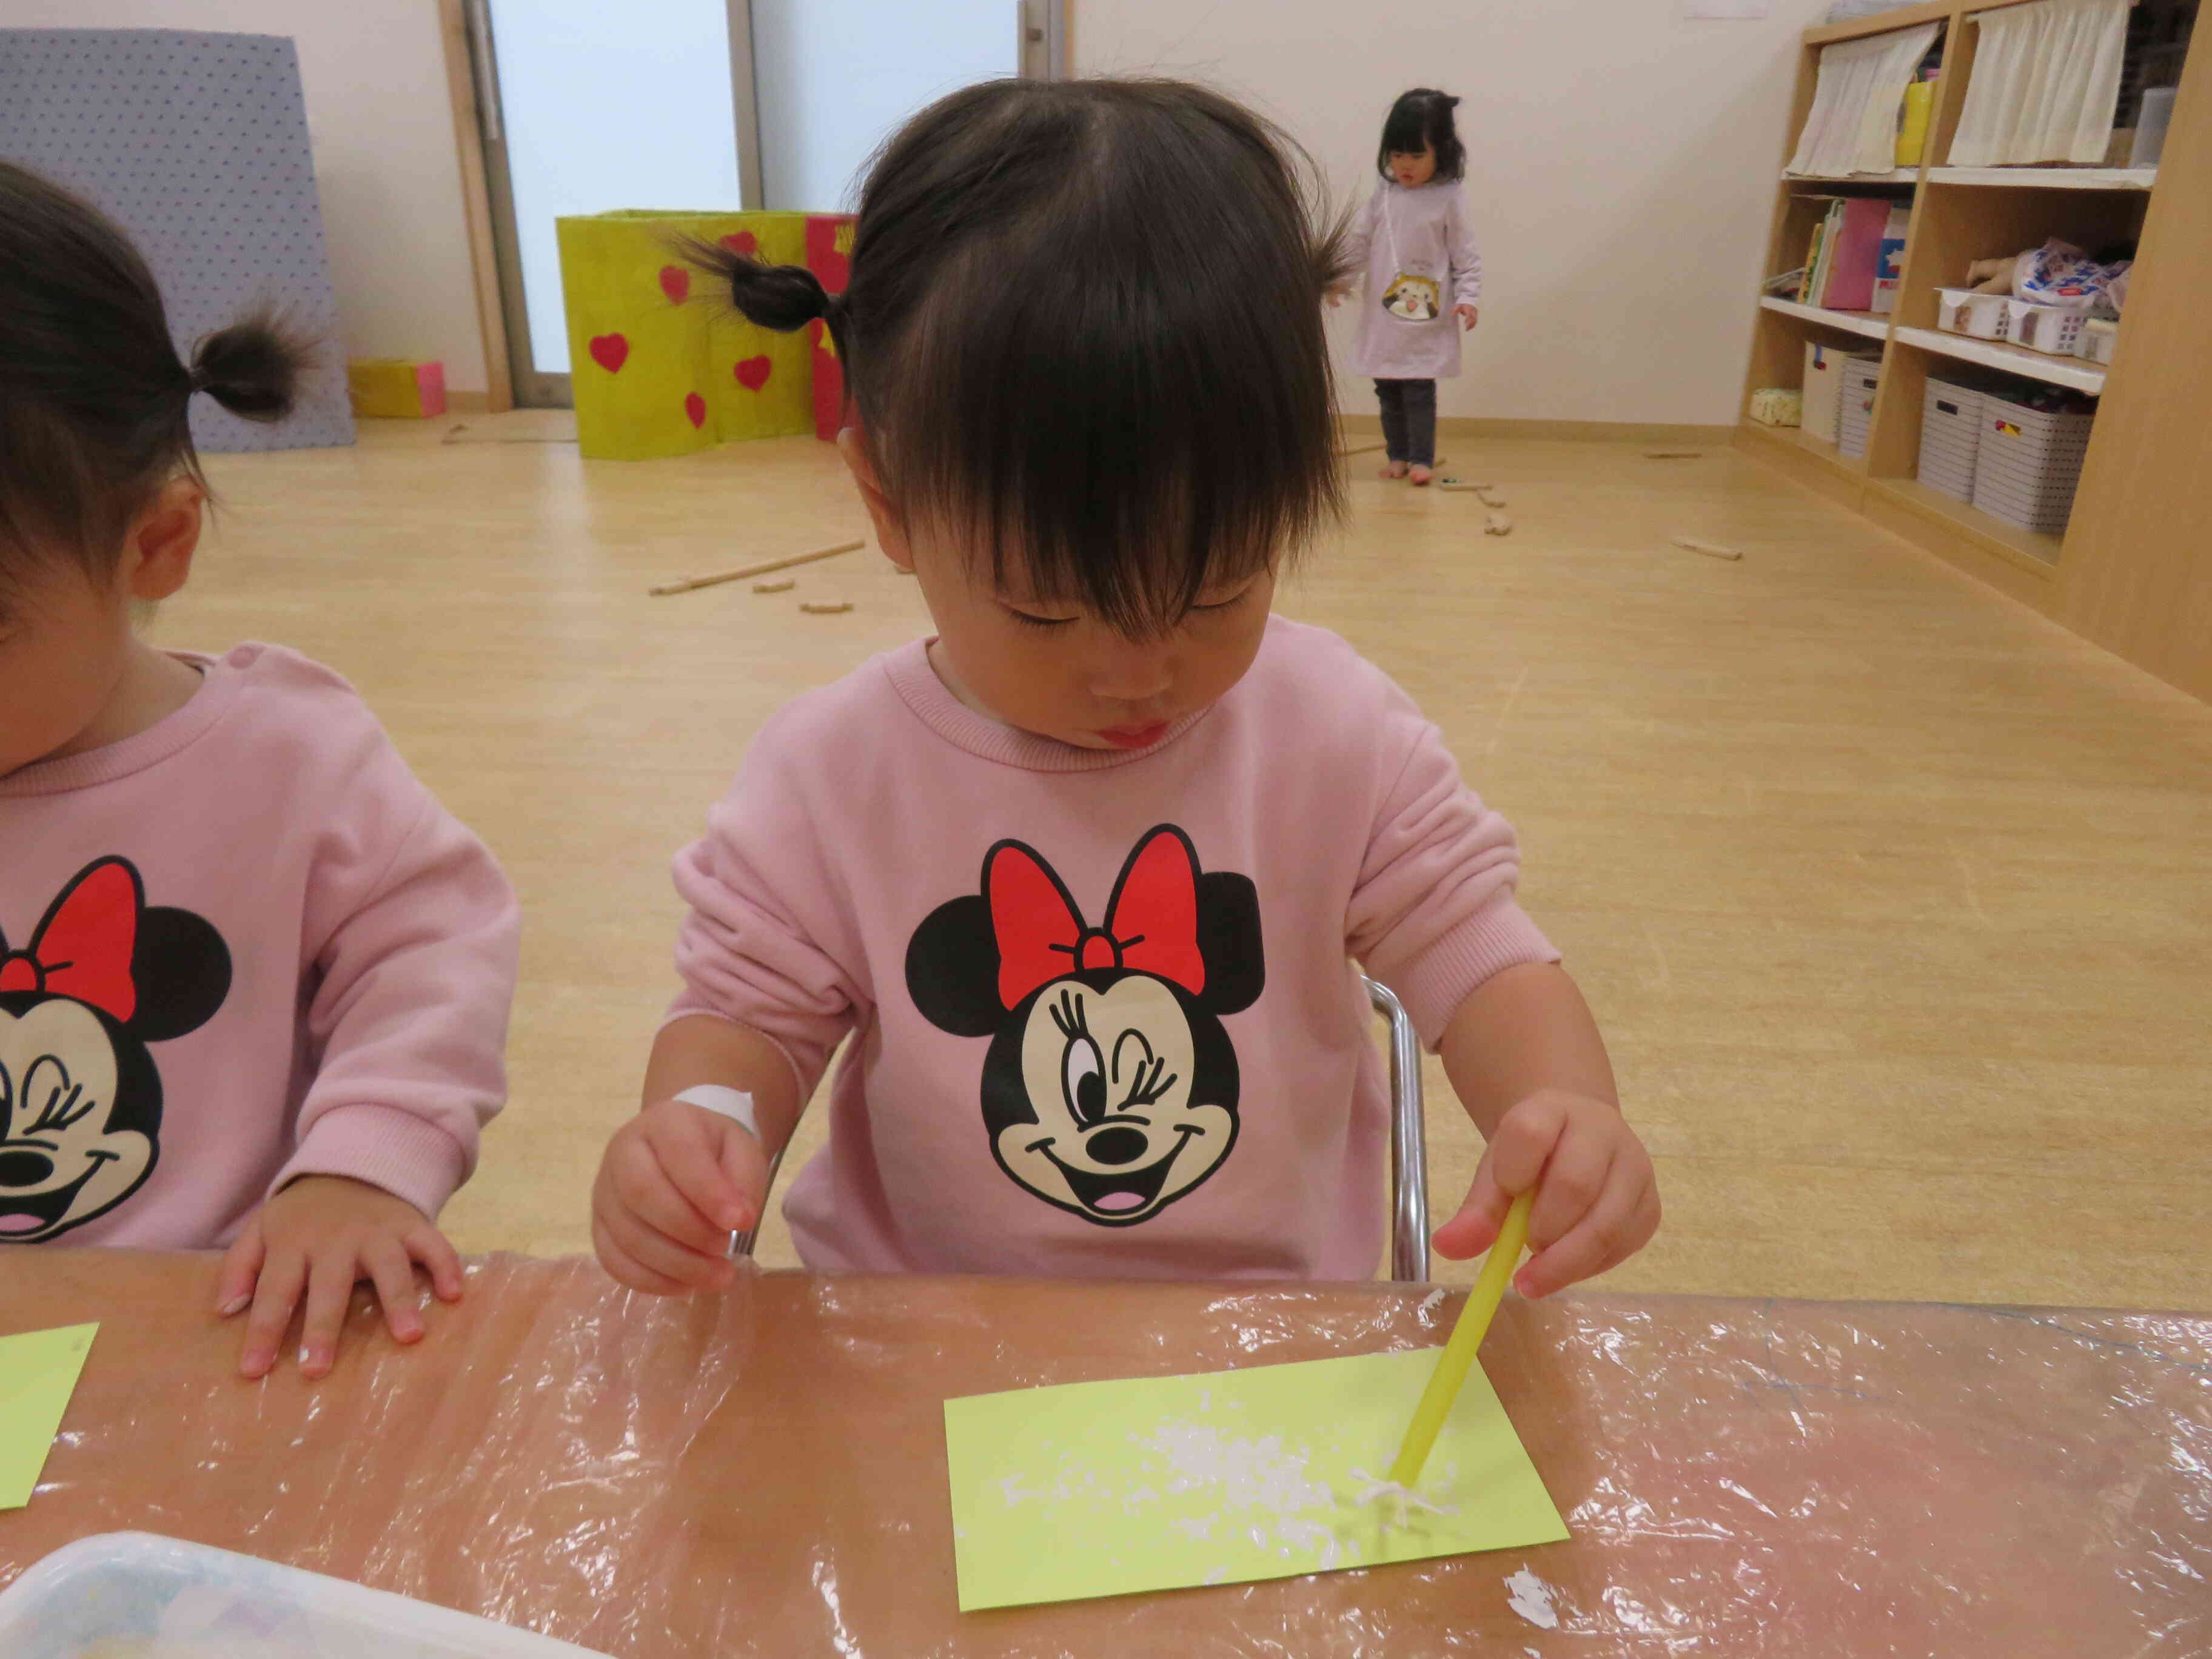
[(1597, 1203), (1467, 315), (1337, 295), (318, 1238), (677, 1179)]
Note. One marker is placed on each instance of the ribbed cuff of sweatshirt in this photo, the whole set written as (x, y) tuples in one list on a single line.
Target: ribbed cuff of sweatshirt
[(1434, 983), (385, 1147)]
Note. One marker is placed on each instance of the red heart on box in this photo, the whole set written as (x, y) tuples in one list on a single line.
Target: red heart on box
[(743, 242), (695, 407), (752, 373), (676, 283), (610, 351)]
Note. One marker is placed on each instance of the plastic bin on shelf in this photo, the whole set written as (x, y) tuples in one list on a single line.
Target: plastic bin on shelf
[(1861, 378), (2053, 329), (1950, 436), (1982, 316), (2028, 461), (120, 1595)]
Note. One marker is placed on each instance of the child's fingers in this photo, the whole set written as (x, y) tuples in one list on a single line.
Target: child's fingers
[(241, 1266), (330, 1279), (1475, 1228), (392, 1270), (1574, 1179), (437, 1255), (1524, 1143), (1600, 1239), (693, 1269), (744, 1162), (283, 1275), (645, 1189), (1512, 1163), (626, 1269), (687, 1143)]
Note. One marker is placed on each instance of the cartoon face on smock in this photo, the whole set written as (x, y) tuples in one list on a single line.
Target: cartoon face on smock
[(60, 1162), (1416, 299), (103, 976), (1107, 1072), (1110, 1089)]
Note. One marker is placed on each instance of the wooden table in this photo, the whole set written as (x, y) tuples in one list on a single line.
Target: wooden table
[(765, 1472)]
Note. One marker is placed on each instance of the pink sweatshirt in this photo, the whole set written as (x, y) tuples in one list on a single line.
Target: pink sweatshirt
[(1103, 1020), (243, 945)]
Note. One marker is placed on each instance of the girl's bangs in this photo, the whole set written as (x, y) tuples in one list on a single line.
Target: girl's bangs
[(1111, 438)]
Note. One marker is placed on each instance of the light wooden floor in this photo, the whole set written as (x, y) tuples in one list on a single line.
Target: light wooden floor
[(1895, 902)]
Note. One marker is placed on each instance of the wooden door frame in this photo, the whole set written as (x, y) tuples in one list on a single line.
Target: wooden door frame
[(461, 86)]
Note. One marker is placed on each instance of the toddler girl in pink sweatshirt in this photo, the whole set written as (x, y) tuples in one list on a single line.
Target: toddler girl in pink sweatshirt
[(1081, 879), (254, 980)]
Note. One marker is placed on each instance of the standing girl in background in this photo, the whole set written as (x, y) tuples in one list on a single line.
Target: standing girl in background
[(1080, 874), (1424, 279), (254, 979)]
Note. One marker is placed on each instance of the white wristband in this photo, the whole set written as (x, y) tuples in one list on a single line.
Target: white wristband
[(734, 1104)]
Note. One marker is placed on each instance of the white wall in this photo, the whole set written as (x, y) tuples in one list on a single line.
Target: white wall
[(1621, 163), (380, 120)]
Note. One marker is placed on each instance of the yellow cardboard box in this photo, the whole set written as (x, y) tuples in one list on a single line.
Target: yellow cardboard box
[(659, 364)]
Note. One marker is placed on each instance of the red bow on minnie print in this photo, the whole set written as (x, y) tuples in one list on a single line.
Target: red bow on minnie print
[(1152, 921), (84, 946)]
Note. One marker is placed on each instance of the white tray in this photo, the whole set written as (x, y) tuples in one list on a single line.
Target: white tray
[(125, 1594)]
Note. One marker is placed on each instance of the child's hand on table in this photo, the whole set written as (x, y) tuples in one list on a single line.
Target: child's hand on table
[(677, 1181), (1467, 315), (317, 1239), (1597, 1202)]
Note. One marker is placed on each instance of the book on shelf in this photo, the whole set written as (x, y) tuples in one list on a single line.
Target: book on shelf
[(1815, 271), (1889, 263), (1853, 250)]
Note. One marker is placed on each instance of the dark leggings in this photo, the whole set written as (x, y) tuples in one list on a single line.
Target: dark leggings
[(1409, 420)]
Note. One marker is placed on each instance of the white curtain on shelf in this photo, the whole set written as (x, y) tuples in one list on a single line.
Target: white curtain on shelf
[(2045, 82), (1852, 127)]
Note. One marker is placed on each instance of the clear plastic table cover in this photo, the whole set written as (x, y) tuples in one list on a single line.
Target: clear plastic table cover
[(763, 1472)]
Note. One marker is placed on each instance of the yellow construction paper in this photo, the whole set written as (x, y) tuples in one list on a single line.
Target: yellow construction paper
[(1160, 1483), (38, 1373)]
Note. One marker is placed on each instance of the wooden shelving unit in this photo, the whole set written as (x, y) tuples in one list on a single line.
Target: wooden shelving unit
[(2069, 372), (2048, 177), (2133, 571), (1874, 325)]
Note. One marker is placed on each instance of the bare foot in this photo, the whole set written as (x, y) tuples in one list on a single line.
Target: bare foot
[(1392, 470), (1421, 475)]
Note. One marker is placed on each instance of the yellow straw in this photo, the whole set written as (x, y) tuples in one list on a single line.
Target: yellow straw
[(1474, 1317)]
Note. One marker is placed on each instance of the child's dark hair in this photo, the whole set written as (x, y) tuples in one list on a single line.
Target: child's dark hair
[(1420, 119), (1084, 325), (93, 395)]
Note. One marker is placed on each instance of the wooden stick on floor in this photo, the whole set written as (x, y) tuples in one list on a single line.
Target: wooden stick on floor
[(1710, 550), (1361, 449), (684, 585)]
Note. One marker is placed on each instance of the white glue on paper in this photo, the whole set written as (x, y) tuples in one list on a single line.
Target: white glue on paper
[(1432, 1302), (1531, 1597)]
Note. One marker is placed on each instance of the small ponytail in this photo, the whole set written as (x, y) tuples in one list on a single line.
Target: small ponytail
[(252, 368), (785, 298)]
